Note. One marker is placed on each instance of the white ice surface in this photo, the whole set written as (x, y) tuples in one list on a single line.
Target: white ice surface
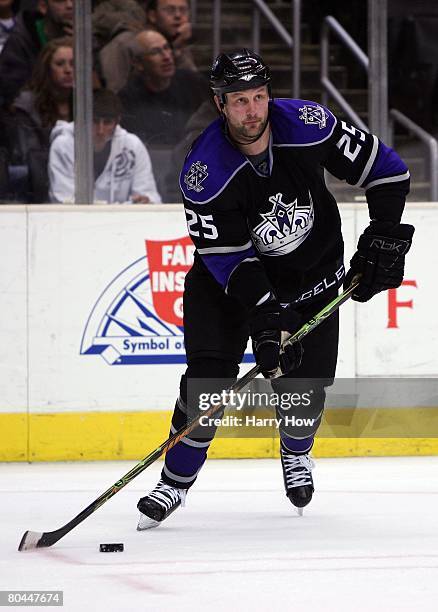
[(367, 542)]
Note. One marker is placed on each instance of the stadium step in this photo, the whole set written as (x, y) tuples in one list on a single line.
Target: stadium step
[(237, 32)]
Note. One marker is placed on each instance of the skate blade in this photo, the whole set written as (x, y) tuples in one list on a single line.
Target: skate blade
[(144, 523), (300, 511)]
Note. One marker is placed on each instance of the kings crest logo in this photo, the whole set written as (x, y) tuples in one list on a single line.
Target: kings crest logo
[(314, 115), (284, 227), (138, 318), (195, 176)]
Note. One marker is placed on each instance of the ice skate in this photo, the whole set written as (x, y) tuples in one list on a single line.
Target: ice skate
[(159, 504), (298, 482)]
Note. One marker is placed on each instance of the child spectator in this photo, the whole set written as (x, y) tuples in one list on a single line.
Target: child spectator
[(122, 166)]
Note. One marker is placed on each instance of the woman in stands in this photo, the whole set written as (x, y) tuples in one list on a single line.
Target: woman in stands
[(47, 98)]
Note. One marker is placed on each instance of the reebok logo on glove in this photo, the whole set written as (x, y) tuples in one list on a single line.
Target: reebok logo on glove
[(383, 244), (380, 258)]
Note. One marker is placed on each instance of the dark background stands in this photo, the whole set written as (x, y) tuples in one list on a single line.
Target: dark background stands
[(32, 31)]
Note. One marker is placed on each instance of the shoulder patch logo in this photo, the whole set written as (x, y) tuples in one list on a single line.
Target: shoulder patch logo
[(314, 115), (195, 176)]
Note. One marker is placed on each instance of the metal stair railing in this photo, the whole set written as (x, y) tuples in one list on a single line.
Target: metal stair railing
[(430, 142), (293, 42), (193, 11), (329, 89)]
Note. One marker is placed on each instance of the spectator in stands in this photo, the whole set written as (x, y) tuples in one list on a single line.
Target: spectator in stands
[(158, 98), (47, 99), (8, 9), (115, 24), (172, 19), (197, 123), (122, 166), (34, 28)]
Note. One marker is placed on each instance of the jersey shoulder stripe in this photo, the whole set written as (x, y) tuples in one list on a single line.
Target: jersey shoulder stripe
[(210, 165), (300, 123), (387, 168)]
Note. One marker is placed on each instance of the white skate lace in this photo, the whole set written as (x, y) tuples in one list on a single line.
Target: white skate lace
[(297, 469), (167, 496)]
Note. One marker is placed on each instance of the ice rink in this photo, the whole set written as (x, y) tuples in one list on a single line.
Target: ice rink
[(368, 541)]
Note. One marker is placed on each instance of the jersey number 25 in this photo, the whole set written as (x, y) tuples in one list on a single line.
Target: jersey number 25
[(345, 144), (201, 226)]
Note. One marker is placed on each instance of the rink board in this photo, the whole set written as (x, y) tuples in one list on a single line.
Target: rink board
[(92, 345), (133, 435)]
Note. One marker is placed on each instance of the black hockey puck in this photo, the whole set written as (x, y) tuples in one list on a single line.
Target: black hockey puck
[(111, 547)]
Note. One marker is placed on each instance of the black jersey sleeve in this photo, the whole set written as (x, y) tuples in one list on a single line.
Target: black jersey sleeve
[(361, 159), (347, 152)]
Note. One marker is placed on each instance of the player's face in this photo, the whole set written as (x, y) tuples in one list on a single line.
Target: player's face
[(61, 67), (247, 113), (61, 11), (103, 130), (170, 16)]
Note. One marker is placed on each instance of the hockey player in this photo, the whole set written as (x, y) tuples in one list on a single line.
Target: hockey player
[(269, 255)]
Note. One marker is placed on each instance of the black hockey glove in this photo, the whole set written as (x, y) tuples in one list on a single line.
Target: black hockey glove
[(266, 324), (380, 258)]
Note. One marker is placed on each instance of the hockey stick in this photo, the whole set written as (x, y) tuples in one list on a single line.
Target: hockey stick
[(34, 539)]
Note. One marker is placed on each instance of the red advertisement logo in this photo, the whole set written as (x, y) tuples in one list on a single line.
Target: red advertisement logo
[(169, 261), (394, 303)]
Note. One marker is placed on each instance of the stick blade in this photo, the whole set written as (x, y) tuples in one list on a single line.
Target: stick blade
[(30, 540)]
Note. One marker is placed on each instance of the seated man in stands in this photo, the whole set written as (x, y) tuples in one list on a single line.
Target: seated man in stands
[(115, 24), (172, 19), (32, 31), (159, 98), (122, 166)]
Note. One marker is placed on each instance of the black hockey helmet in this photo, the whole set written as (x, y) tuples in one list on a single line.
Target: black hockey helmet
[(238, 71)]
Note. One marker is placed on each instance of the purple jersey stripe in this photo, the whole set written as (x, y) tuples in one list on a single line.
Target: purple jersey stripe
[(221, 266), (387, 163)]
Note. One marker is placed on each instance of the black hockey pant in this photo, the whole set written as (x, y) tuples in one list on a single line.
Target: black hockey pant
[(216, 335)]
